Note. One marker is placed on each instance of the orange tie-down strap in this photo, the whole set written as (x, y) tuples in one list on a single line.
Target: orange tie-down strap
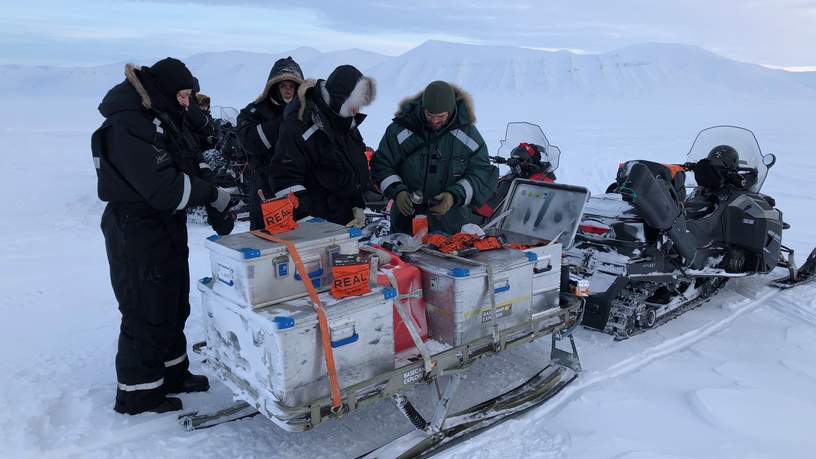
[(337, 402)]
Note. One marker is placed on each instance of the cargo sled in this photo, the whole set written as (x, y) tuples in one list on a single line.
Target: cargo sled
[(430, 316)]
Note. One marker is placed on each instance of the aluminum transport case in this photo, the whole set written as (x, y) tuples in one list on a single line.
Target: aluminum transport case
[(274, 353), (251, 271), (549, 212), (525, 283), (457, 299), (546, 277)]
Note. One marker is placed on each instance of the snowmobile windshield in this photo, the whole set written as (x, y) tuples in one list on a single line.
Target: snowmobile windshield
[(522, 132), (228, 114), (742, 140)]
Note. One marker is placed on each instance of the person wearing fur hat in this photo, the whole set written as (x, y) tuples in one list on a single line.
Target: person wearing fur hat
[(433, 147), (320, 154), (258, 126), (148, 174)]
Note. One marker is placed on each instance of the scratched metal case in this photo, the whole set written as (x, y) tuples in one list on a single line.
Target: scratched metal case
[(526, 283), (251, 271), (457, 297), (274, 355)]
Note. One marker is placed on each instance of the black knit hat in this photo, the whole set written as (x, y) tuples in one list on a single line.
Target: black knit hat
[(439, 97), (340, 84), (172, 76), (286, 66)]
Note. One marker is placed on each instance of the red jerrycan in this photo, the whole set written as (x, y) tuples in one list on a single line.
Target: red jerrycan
[(409, 287)]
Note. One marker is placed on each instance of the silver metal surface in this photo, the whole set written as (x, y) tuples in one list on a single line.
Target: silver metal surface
[(288, 363), (268, 274), (457, 296)]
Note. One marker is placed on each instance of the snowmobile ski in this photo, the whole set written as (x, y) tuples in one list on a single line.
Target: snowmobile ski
[(800, 275), (468, 423), (444, 430)]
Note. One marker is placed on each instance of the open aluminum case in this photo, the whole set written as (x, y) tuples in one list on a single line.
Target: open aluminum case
[(535, 212)]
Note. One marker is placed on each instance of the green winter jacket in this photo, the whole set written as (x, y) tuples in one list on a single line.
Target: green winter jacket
[(454, 159)]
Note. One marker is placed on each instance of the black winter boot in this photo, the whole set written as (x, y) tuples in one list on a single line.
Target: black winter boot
[(189, 383), (166, 404), (169, 404)]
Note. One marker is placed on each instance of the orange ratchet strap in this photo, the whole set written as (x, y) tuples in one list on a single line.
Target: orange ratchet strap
[(337, 402)]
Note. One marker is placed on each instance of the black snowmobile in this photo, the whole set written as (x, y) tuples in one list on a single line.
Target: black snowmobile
[(228, 162), (650, 252)]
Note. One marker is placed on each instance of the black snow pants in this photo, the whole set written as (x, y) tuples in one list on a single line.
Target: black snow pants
[(147, 253)]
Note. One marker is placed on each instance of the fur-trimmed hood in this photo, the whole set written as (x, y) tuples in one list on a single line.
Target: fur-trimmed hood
[(133, 79), (301, 95), (464, 105), (129, 95), (275, 80), (363, 94), (284, 69)]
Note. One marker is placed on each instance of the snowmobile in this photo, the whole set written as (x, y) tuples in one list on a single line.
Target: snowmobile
[(651, 252), (228, 163), (528, 155)]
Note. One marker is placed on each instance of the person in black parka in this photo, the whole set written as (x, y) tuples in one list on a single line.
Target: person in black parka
[(148, 173), (320, 154), (258, 126)]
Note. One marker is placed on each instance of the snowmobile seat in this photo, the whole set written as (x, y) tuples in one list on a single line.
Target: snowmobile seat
[(698, 205), (672, 174)]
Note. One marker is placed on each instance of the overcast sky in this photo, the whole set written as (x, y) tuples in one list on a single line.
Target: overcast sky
[(87, 32)]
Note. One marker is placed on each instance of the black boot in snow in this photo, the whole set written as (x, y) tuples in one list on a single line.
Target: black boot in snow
[(166, 404), (190, 383), (169, 404)]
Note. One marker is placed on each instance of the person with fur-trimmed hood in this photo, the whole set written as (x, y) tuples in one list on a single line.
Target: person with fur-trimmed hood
[(258, 126), (320, 154), (432, 147), (148, 173)]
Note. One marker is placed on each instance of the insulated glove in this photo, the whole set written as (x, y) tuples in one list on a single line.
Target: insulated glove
[(221, 222), (222, 201), (404, 203), (359, 218), (444, 203)]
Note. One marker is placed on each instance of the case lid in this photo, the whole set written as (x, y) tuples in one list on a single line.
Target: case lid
[(245, 246), (544, 211), (299, 313), (500, 260)]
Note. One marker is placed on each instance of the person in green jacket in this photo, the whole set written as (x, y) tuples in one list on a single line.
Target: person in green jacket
[(433, 153)]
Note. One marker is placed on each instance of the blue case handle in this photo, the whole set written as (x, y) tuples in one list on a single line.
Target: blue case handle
[(506, 288), (348, 340), (230, 283), (312, 275)]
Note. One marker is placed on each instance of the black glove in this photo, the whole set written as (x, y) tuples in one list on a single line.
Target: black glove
[(221, 222), (304, 207)]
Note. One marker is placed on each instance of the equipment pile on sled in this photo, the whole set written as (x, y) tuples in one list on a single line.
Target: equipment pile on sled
[(309, 324)]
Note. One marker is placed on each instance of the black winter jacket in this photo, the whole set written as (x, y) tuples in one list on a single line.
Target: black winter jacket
[(142, 155), (258, 126), (320, 157)]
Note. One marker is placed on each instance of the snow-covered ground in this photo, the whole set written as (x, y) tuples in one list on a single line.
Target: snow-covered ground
[(733, 378)]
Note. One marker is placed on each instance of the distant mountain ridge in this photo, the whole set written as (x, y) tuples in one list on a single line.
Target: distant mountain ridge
[(646, 71)]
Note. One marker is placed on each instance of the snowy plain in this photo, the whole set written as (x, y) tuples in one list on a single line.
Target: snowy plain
[(733, 378)]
